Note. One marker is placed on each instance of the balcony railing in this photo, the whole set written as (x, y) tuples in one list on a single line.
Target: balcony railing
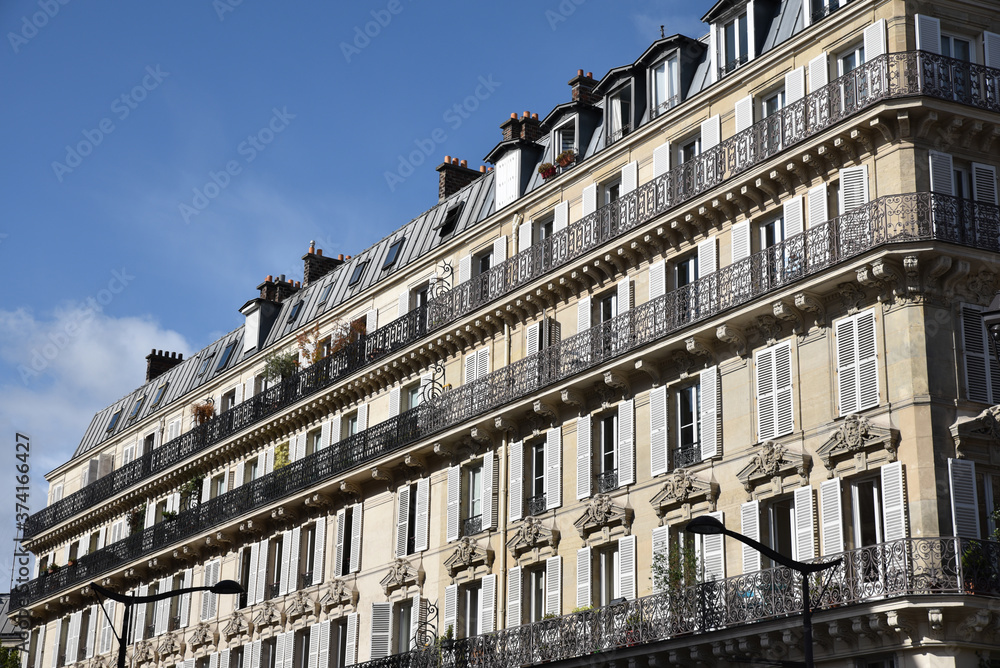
[(617, 135), (536, 505), (909, 567), (665, 106), (607, 481), (472, 525), (891, 76), (825, 9), (685, 456), (731, 65)]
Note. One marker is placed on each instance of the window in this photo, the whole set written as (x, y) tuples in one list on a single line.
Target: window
[(412, 513), (314, 441), (158, 397), (666, 85), (205, 362), (347, 557), (402, 623), (607, 439), (136, 408), (482, 262), (295, 312), (779, 528), (473, 501), (325, 294), (688, 413), (866, 512), (451, 217), (606, 570), (114, 420), (393, 254), (272, 575), (228, 400), (851, 59), (535, 476), (685, 271), (773, 103), (734, 46), (957, 48), (988, 500), (535, 594), (413, 395), (351, 425), (619, 112), (477, 365), (469, 610), (246, 566), (774, 391), (564, 138), (611, 191), (251, 470), (217, 486), (688, 150), (359, 271), (226, 354), (542, 229), (308, 562)]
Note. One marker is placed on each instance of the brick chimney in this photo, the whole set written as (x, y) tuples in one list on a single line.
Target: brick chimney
[(511, 128), (316, 265), (531, 127), (583, 88), (455, 174), (277, 289), (159, 362)]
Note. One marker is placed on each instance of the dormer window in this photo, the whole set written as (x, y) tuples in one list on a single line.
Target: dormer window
[(450, 220), (137, 407), (205, 362), (665, 85), (564, 138), (298, 307), (325, 294), (226, 354), (619, 113), (393, 254), (359, 271), (734, 47), (158, 397), (114, 420)]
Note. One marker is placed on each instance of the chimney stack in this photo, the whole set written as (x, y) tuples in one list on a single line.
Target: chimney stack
[(583, 87), (159, 362), (454, 175), (531, 127), (277, 289), (316, 265)]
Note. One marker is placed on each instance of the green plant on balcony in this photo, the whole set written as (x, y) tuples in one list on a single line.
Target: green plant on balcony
[(136, 519), (566, 158), (979, 560), (202, 412), (281, 458), (52, 568), (280, 366), (547, 170), (191, 492), (169, 515)]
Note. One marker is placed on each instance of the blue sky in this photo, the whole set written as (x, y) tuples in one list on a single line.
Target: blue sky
[(161, 158)]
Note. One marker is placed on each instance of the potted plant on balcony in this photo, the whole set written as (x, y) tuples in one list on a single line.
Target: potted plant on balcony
[(672, 575), (136, 519), (52, 568), (281, 366), (202, 412), (566, 158), (191, 492), (281, 458), (169, 515), (547, 170)]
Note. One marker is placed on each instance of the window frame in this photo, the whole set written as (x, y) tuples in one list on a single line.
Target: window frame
[(136, 408), (671, 77), (161, 392), (392, 255), (557, 136), (625, 116), (113, 422), (357, 274)]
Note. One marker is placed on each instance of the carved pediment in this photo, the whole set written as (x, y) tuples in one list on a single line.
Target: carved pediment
[(468, 553), (298, 604), (267, 615), (237, 626), (857, 435), (202, 635), (531, 534), (170, 645), (339, 593), (773, 462), (99, 662), (401, 574), (977, 437), (602, 512), (679, 488), (142, 652)]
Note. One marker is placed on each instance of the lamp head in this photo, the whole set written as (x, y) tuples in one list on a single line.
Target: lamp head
[(227, 587), (705, 526)]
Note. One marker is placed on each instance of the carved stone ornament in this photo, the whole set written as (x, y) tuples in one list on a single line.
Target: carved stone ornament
[(267, 615), (401, 574), (143, 651), (978, 437), (857, 436), (468, 553), (202, 635), (338, 593), (531, 534), (237, 626), (681, 487), (170, 645), (99, 662), (601, 512), (773, 462), (298, 604)]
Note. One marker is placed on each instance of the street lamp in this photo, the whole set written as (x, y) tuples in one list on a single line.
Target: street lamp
[(991, 319), (222, 587), (709, 526)]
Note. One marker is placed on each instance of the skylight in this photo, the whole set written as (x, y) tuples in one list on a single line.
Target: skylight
[(393, 254), (135, 409), (204, 364), (450, 220), (114, 420), (160, 391), (226, 354), (359, 271), (295, 311), (325, 294)]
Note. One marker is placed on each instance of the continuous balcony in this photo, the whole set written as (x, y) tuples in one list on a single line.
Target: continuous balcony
[(913, 567), (887, 77), (888, 220)]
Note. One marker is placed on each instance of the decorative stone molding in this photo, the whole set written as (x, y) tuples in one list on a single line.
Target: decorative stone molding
[(170, 645), (574, 398), (649, 368), (785, 311), (237, 626), (773, 462), (468, 553), (981, 286), (283, 517), (481, 438), (505, 426), (339, 594), (546, 412), (811, 304), (532, 534), (383, 474), (606, 393), (602, 511), (202, 635), (981, 624), (734, 337), (350, 490), (318, 501), (416, 463), (699, 348), (859, 438), (213, 541), (299, 604), (768, 328), (142, 652), (852, 296), (681, 488), (401, 574), (267, 615), (188, 553), (978, 438), (253, 528)]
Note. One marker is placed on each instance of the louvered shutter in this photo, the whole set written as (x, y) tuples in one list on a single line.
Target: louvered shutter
[(262, 571), (984, 183), (942, 173), (362, 417), (515, 494), (161, 609), (624, 300), (991, 50), (964, 509), (213, 601), (868, 394), (893, 501), (532, 338), (709, 417), (710, 132), (783, 419), (255, 652), (657, 279), (590, 199), (819, 72), (381, 620), (658, 431), (817, 205), (513, 597), (928, 31), (325, 432), (471, 368), (280, 650), (91, 632), (847, 365), (238, 474), (583, 597), (403, 306), (626, 442), (553, 468), (322, 645), (464, 268), (795, 85), (626, 567), (140, 613), (213, 660), (336, 429), (252, 579), (792, 211), (269, 460), (553, 586), (977, 371), (394, 402), (630, 177), (661, 556), (73, 637), (741, 241), (561, 219), (805, 530), (351, 651), (490, 482), (853, 188), (300, 447), (707, 257), (357, 523), (286, 549), (184, 607), (488, 604), (744, 113), (418, 617), (875, 43), (402, 523), (583, 457), (107, 630), (499, 251), (451, 610), (150, 514), (508, 175), (313, 660), (483, 363), (338, 559), (713, 553), (750, 521), (39, 649), (55, 644), (524, 239), (661, 159), (583, 314), (454, 500), (831, 517), (420, 532)]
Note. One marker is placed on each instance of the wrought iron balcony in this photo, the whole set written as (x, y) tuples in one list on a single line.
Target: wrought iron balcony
[(617, 135), (911, 567), (891, 76), (824, 10), (665, 106), (685, 456), (607, 481), (535, 505), (731, 65), (472, 525), (305, 579)]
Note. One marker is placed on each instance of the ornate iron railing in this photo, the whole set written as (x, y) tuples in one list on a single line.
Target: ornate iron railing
[(472, 525), (908, 567), (536, 505), (731, 65), (824, 9), (607, 481), (890, 219), (685, 456), (890, 76), (618, 134), (665, 106)]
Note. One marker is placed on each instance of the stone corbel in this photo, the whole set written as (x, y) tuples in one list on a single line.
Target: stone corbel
[(350, 490), (847, 148), (546, 412), (927, 124), (951, 282), (806, 302), (742, 203), (481, 438), (607, 394), (648, 368), (861, 627), (880, 125), (574, 398), (891, 280), (699, 348), (734, 337), (442, 450), (754, 194), (948, 135), (813, 164), (794, 169), (939, 267), (911, 267), (903, 121), (416, 463), (767, 187), (619, 382), (987, 141), (782, 180), (970, 133), (383, 474), (505, 426), (187, 553), (317, 501), (840, 630), (683, 361), (768, 328), (282, 516), (830, 161), (982, 286), (935, 619), (852, 295), (788, 313)]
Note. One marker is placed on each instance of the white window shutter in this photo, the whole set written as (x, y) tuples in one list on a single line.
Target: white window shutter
[(661, 159), (847, 365), (657, 279), (338, 556), (553, 468), (488, 604), (819, 72), (626, 443), (300, 446), (626, 567), (661, 554), (451, 610), (553, 586), (515, 493), (381, 621), (418, 617), (708, 257), (795, 85), (508, 177), (853, 188), (524, 236), (313, 659), (464, 268), (421, 531), (55, 643), (783, 419), (977, 369), (711, 132), (357, 523), (875, 43), (150, 515), (255, 652), (404, 304), (893, 501), (73, 637), (583, 314), (583, 597), (279, 651), (238, 474), (630, 177), (658, 430), (252, 579), (984, 183), (817, 205), (964, 509), (583, 457), (262, 583), (483, 363), (805, 529), (532, 338), (928, 31), (561, 220), (287, 547), (490, 471), (371, 321), (713, 553), (92, 626), (351, 653), (394, 401), (471, 368), (792, 212), (942, 173), (499, 250), (744, 113), (831, 517), (709, 418), (454, 500), (269, 460), (184, 607), (750, 523), (624, 301), (590, 199), (868, 394), (362, 417), (991, 49), (402, 521), (741, 241), (513, 597), (40, 645)]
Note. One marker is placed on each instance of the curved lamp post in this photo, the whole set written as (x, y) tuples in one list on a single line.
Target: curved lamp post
[(222, 587), (709, 526)]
